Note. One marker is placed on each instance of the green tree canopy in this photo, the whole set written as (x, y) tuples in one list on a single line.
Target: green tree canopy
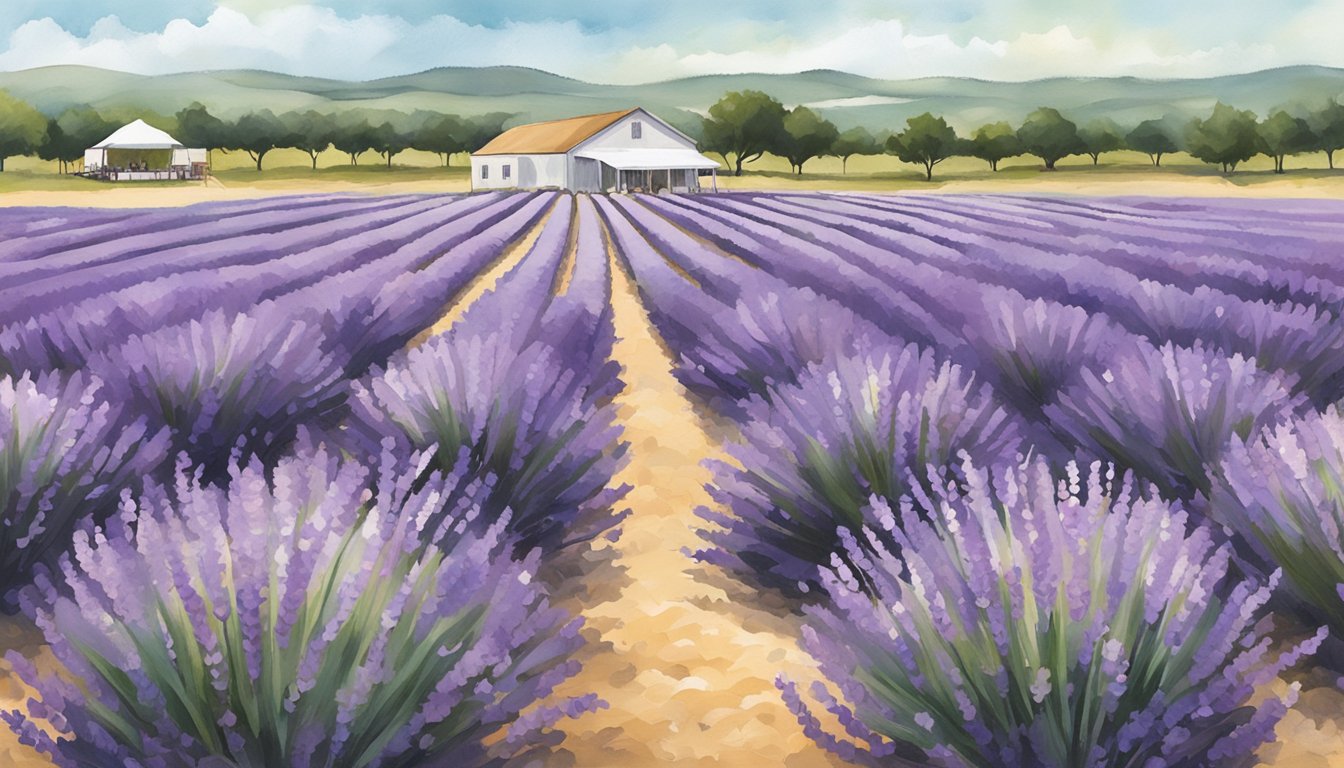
[(855, 141), (354, 138), (75, 130), (806, 135), (1050, 136), (443, 135), (196, 127), (22, 128), (994, 143), (1227, 138), (926, 141), (257, 133), (310, 132), (389, 141), (1154, 138), (1099, 137), (480, 129), (1328, 124), (1281, 135), (745, 125)]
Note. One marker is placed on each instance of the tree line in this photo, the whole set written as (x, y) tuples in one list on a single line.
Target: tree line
[(63, 138), (745, 125), (741, 127)]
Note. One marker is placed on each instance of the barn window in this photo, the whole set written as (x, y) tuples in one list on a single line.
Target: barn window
[(507, 169), (636, 130), (485, 171)]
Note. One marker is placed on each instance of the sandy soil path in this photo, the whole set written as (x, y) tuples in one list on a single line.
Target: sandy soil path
[(687, 668)]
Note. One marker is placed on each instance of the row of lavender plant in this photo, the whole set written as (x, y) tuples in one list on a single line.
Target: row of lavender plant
[(970, 621), (226, 386), (320, 624), (516, 394), (1015, 343)]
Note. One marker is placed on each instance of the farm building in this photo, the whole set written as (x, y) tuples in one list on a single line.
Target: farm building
[(140, 152), (631, 150)]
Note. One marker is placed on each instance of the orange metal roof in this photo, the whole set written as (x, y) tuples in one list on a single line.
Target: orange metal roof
[(553, 137)]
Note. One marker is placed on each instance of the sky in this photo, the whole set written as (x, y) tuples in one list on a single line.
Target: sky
[(634, 41)]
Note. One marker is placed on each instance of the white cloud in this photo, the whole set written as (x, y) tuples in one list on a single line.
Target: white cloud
[(313, 40)]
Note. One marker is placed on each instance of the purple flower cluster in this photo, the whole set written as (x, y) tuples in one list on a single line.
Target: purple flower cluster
[(1169, 413), (812, 457), (299, 620), (65, 455), (1036, 622), (227, 385), (521, 387), (1282, 491)]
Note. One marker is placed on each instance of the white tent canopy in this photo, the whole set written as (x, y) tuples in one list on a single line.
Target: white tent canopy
[(143, 136), (642, 159), (138, 135)]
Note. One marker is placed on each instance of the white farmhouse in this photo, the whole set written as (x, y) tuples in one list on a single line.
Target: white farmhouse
[(612, 152)]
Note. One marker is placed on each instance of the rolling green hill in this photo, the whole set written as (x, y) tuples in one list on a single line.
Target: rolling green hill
[(534, 95)]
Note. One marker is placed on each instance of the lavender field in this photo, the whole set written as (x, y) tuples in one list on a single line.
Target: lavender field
[(735, 479)]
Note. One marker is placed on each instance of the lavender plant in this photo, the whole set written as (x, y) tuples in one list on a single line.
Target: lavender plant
[(1282, 491), (1036, 624), (228, 384), (526, 417), (764, 341), (65, 455), (297, 622), (874, 424), (1169, 413)]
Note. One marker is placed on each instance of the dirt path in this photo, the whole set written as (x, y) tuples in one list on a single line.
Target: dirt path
[(485, 281), (18, 633), (689, 672)]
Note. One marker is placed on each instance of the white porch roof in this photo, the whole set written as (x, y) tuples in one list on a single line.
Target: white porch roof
[(649, 159), (138, 135)]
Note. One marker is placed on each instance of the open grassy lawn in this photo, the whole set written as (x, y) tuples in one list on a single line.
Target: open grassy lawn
[(1120, 173)]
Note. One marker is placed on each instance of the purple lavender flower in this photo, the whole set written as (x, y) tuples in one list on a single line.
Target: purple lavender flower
[(297, 620), (1169, 413), (876, 424), (1034, 622), (1282, 491), (227, 383), (65, 456)]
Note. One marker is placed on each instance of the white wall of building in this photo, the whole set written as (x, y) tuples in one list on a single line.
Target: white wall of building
[(653, 135), (524, 171)]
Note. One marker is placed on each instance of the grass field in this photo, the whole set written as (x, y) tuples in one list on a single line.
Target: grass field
[(412, 171)]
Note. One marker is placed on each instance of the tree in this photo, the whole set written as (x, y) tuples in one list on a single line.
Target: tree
[(1281, 135), (806, 135), (353, 139), (389, 141), (1153, 138), (443, 135), (995, 142), (926, 141), (75, 130), (744, 124), (1227, 138), (310, 132), (855, 141), (22, 128), (257, 133), (481, 129), (1328, 123), (1048, 135), (1100, 136), (196, 127), (55, 145)]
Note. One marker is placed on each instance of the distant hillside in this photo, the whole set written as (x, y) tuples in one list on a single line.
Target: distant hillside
[(534, 95)]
